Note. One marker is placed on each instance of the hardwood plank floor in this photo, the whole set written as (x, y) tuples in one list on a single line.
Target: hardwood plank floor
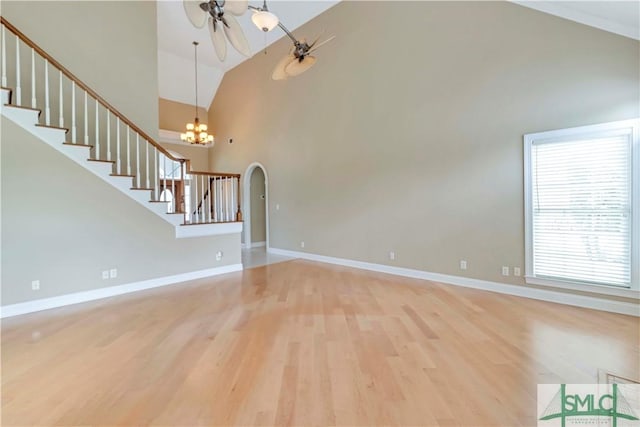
[(302, 343)]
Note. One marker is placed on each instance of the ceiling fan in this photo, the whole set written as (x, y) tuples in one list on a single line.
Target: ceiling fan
[(299, 59), (214, 12)]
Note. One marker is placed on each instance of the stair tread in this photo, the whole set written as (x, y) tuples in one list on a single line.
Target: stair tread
[(52, 127), (100, 160), (141, 188), (24, 108), (123, 175), (77, 145), (209, 223)]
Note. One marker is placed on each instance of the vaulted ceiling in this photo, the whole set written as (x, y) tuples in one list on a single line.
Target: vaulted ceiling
[(175, 35)]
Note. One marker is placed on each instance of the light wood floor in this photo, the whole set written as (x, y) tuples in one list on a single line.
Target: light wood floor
[(301, 343)]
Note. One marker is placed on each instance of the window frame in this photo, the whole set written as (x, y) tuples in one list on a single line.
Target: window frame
[(627, 127)]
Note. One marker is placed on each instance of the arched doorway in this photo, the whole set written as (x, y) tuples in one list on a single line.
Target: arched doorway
[(256, 203)]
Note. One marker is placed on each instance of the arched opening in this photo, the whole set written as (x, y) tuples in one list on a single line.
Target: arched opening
[(256, 212)]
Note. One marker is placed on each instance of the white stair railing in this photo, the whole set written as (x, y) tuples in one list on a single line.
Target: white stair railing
[(116, 139)]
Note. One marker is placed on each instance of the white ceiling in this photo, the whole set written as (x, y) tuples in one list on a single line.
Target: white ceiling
[(175, 49), (620, 17), (175, 35)]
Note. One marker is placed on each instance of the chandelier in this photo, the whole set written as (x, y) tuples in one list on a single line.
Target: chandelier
[(196, 132)]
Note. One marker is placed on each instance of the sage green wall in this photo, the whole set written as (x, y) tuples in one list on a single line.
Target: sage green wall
[(406, 136), (62, 225), (258, 221), (109, 45)]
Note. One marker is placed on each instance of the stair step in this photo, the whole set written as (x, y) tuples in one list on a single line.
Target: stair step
[(53, 127), (159, 201), (141, 189), (24, 108), (102, 161), (77, 145), (123, 175), (210, 222), (9, 94)]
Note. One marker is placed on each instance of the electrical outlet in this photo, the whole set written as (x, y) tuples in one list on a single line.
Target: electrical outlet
[(105, 275), (219, 255), (35, 285), (392, 256), (505, 271), (277, 206), (302, 245), (113, 273), (516, 271), (463, 264)]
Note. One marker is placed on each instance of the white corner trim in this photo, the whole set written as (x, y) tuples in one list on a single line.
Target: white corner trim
[(258, 244), (503, 288), (200, 230), (79, 297), (173, 137)]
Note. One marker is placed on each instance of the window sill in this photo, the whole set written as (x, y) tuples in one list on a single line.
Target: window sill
[(596, 289)]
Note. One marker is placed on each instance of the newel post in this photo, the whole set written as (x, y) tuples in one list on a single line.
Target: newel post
[(239, 212)]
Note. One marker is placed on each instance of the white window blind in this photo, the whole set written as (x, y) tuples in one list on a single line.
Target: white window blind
[(580, 207)]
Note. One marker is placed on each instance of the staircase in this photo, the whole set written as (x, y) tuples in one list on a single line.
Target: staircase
[(106, 143)]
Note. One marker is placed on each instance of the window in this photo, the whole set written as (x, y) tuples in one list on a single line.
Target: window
[(582, 207)]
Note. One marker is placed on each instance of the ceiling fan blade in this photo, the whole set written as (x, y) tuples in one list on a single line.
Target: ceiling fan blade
[(217, 37), (197, 16), (298, 67), (321, 44), (317, 38), (237, 7), (279, 72), (236, 37)]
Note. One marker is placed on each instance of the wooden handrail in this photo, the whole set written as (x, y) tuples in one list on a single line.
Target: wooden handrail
[(82, 85), (216, 174)]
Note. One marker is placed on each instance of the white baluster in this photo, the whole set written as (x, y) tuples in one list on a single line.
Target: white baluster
[(210, 189), (33, 78), (108, 134), (138, 177), (173, 189), (18, 87), (73, 112), (196, 214), (217, 198), (47, 110), (4, 58), (156, 177), (128, 150), (233, 199), (226, 190), (86, 120), (118, 163), (164, 168), (147, 160), (61, 104), (97, 131)]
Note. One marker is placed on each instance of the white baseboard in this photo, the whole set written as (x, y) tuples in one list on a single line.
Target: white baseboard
[(94, 294), (254, 245), (503, 288)]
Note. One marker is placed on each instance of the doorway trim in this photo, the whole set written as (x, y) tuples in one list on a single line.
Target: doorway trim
[(246, 197)]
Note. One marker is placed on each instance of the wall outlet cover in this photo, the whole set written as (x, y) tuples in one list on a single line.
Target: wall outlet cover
[(113, 273), (463, 264), (105, 274)]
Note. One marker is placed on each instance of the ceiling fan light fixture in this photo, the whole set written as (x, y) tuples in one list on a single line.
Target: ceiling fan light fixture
[(265, 20)]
